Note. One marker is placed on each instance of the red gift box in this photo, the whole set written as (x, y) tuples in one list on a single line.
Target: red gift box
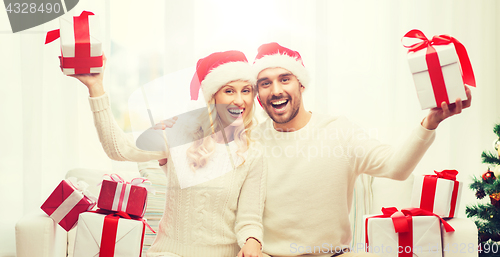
[(119, 195), (67, 201), (81, 44), (440, 67)]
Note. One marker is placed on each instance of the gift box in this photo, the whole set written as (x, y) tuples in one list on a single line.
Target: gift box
[(67, 201), (113, 234), (463, 241), (440, 68), (119, 195), (405, 233), (438, 193), (81, 44)]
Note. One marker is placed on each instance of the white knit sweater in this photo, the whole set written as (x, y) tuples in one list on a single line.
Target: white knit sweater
[(311, 179), (213, 218)]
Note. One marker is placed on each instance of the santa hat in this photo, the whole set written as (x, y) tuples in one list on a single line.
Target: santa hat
[(272, 55), (218, 69)]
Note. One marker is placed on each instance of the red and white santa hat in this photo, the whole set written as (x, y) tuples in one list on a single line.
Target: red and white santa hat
[(273, 55), (218, 69)]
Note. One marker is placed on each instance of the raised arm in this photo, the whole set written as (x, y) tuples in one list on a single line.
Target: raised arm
[(117, 145), (382, 160), (248, 227), (398, 163)]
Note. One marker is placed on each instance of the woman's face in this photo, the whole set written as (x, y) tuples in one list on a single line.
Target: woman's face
[(233, 102)]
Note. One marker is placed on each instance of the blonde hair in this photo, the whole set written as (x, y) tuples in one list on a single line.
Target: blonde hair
[(201, 150)]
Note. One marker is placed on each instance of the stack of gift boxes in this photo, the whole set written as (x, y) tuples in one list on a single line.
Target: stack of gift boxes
[(430, 227), (115, 229)]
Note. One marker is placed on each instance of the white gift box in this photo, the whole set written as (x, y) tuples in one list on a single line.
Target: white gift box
[(443, 196), (452, 75), (129, 236), (67, 32), (463, 241), (383, 240)]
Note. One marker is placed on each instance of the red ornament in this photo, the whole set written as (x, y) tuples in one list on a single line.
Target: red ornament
[(488, 176), (495, 200)]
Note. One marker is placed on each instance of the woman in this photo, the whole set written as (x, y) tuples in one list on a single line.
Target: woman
[(218, 216)]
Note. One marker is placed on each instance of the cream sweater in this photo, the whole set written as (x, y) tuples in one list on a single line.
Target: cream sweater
[(311, 179), (212, 218)]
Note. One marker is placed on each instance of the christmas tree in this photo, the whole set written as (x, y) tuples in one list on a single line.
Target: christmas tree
[(487, 215)]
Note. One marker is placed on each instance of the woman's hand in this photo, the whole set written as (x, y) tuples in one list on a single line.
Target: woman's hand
[(93, 81), (252, 248)]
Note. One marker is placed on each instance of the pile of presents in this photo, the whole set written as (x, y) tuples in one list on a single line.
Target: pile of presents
[(429, 228), (115, 229), (440, 68)]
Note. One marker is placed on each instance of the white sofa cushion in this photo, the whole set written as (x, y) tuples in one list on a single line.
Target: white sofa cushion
[(38, 235)]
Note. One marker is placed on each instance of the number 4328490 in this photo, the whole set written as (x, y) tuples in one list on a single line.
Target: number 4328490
[(33, 8)]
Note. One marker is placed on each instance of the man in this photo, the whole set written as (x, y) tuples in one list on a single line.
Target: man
[(314, 160)]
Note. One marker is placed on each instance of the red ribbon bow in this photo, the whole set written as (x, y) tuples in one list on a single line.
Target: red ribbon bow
[(403, 225), (55, 34), (142, 182), (429, 190), (435, 72), (446, 174), (125, 216), (399, 216)]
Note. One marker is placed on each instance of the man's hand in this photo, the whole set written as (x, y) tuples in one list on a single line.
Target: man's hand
[(437, 115), (93, 81), (163, 125), (252, 248), (166, 123)]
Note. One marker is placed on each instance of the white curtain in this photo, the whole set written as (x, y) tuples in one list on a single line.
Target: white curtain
[(47, 126), (351, 48)]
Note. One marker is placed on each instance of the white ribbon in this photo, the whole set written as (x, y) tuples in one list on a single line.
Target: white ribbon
[(125, 188), (142, 182), (82, 186), (66, 206)]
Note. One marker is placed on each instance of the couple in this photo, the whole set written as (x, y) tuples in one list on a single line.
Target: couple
[(307, 197)]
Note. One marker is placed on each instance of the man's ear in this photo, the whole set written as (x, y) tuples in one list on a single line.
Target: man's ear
[(302, 88)]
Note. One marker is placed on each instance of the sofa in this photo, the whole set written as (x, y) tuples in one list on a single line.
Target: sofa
[(38, 235)]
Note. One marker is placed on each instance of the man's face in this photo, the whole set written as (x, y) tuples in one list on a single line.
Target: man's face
[(280, 94)]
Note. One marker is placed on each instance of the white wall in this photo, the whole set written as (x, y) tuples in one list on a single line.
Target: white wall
[(351, 48)]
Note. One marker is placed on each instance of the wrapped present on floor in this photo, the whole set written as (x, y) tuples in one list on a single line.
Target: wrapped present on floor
[(81, 44), (119, 195), (438, 193), (406, 233), (104, 233), (463, 241), (67, 201), (440, 68)]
